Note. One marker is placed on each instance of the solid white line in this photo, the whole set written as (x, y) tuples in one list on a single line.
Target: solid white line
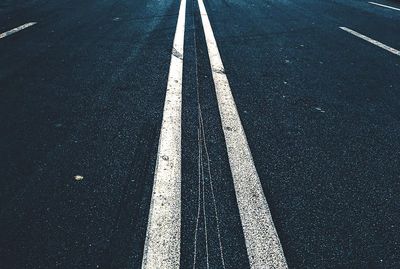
[(162, 246), (381, 5), (263, 246), (372, 41), (17, 29)]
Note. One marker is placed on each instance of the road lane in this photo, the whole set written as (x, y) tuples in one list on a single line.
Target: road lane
[(382, 24), (320, 110), (82, 94)]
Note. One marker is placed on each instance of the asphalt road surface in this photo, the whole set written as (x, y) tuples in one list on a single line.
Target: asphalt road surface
[(191, 134)]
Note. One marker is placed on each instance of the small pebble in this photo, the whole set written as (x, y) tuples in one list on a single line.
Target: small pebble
[(78, 177)]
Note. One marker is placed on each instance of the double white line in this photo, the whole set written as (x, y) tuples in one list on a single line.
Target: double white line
[(162, 246)]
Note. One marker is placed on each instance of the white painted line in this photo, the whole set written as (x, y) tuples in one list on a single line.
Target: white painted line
[(17, 29), (381, 5), (372, 41), (162, 246), (263, 246)]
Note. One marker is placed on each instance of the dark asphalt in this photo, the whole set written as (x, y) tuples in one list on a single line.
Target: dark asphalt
[(82, 93)]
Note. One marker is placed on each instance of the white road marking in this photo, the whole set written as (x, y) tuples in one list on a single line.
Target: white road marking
[(381, 5), (162, 246), (262, 241), (17, 29), (372, 41)]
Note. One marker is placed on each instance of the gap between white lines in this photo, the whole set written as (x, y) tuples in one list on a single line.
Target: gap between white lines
[(381, 5), (17, 29), (263, 245), (372, 41), (162, 246)]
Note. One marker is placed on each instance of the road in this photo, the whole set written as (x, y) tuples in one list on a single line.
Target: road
[(268, 137)]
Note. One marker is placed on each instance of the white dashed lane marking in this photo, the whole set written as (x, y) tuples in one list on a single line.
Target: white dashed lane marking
[(162, 246), (263, 245), (386, 6), (372, 41), (17, 29)]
